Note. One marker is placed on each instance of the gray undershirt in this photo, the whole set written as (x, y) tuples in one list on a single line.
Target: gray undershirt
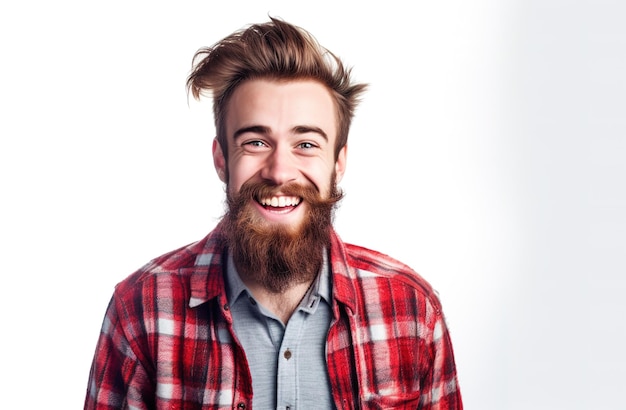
[(287, 363)]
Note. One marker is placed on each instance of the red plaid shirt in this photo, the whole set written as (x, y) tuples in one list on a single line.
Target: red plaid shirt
[(167, 340)]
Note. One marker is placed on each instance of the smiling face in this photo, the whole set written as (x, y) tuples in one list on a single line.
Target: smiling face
[(280, 134)]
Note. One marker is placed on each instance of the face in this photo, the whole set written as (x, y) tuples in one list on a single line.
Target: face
[(280, 134)]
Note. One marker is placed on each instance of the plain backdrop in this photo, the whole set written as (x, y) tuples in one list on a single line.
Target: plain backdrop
[(489, 155)]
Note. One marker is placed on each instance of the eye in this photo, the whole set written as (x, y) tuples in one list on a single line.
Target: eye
[(255, 143), (306, 145)]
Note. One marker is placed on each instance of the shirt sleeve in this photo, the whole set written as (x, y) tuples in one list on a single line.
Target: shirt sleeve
[(117, 378), (440, 389)]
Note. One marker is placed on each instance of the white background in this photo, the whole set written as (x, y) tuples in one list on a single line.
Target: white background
[(488, 155)]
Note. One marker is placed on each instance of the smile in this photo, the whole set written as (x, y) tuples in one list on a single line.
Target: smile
[(280, 201)]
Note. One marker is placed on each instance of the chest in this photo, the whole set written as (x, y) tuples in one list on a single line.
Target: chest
[(206, 364)]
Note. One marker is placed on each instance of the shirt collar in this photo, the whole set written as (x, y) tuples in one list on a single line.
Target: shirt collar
[(234, 284)]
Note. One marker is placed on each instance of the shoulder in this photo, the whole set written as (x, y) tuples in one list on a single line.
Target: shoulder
[(373, 268), (170, 262), (176, 266)]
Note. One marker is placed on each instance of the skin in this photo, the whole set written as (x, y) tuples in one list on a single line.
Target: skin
[(279, 133)]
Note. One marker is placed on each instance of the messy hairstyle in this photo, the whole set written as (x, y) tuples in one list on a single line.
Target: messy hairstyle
[(275, 50)]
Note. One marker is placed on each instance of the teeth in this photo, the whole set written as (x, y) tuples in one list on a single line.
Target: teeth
[(280, 201)]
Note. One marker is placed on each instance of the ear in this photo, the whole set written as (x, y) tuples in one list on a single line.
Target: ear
[(340, 164), (219, 161)]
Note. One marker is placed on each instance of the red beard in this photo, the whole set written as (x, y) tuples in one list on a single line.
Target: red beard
[(275, 255)]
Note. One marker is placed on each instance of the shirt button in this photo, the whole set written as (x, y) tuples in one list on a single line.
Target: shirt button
[(287, 354), (241, 406)]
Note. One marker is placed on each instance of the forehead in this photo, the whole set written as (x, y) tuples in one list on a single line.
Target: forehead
[(281, 105)]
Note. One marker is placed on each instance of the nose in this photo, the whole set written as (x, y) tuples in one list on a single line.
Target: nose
[(280, 167)]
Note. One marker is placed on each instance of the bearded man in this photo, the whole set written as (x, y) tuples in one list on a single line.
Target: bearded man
[(272, 310)]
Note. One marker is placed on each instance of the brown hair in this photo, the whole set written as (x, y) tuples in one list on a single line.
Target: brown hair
[(274, 50)]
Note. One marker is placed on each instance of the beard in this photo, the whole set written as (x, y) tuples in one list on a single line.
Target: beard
[(278, 255)]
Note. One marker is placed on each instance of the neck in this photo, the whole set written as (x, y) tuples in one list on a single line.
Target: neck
[(282, 304)]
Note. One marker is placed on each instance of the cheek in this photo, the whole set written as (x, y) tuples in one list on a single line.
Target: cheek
[(323, 178), (240, 172)]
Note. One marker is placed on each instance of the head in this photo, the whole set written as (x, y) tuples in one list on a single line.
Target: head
[(275, 50), (283, 107)]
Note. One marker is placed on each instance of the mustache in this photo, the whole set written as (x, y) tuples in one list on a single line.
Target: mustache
[(308, 193)]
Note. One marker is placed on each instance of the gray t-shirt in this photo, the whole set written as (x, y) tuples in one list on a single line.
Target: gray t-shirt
[(287, 363)]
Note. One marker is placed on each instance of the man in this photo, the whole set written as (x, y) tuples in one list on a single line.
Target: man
[(272, 310)]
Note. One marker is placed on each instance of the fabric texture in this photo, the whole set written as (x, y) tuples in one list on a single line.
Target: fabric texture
[(167, 339)]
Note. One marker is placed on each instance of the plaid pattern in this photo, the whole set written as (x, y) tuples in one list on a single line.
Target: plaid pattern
[(167, 340)]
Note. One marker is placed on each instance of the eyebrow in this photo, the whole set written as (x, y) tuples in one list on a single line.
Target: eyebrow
[(298, 129), (255, 129)]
